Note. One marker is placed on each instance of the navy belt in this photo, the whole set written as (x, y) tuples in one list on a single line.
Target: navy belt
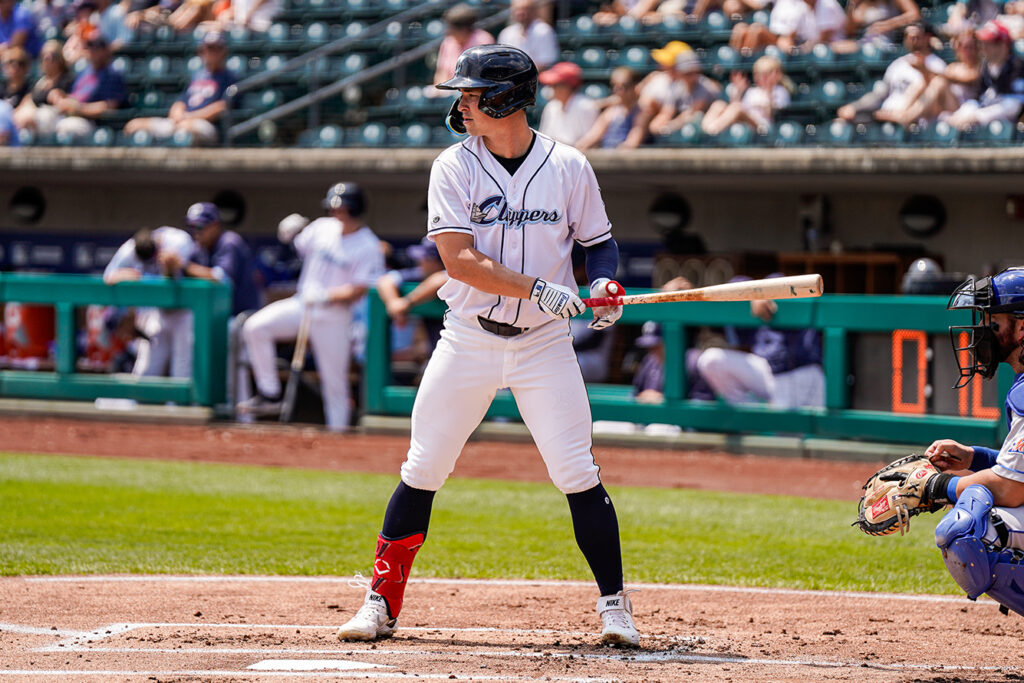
[(500, 329)]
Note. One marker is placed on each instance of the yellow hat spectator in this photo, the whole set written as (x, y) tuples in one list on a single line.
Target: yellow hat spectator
[(666, 56)]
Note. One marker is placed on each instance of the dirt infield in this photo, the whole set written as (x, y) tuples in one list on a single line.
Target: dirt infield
[(268, 628)]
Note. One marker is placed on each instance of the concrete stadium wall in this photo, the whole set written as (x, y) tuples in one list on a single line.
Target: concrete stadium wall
[(739, 202)]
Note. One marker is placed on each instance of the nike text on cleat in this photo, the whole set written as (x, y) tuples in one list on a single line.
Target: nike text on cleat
[(617, 615), (371, 622)]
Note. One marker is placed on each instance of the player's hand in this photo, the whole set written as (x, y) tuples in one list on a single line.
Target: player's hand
[(947, 454), (290, 226), (605, 316), (556, 300), (314, 297), (765, 309), (398, 310)]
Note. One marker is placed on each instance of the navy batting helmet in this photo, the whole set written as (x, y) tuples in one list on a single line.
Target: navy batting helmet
[(507, 75), (201, 214), (1001, 293), (347, 196)]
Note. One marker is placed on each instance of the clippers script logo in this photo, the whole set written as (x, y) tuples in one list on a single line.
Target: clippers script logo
[(494, 210)]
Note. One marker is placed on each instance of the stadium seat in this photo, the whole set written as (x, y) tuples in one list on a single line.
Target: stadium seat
[(579, 31), (596, 91), (834, 134), (329, 136), (180, 138), (152, 103), (395, 6), (236, 64), (690, 135), (722, 60), (885, 134), (938, 134), (995, 134), (736, 135), (354, 63), (716, 27), (636, 57), (316, 34), (785, 134), (594, 61), (26, 138), (415, 135), (440, 136), (140, 138), (370, 135)]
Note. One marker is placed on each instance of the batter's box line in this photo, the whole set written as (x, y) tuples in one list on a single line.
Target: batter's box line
[(63, 674)]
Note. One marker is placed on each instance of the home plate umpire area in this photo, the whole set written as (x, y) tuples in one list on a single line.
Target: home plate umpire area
[(216, 628)]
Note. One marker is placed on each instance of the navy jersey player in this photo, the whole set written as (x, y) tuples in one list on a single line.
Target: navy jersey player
[(505, 208)]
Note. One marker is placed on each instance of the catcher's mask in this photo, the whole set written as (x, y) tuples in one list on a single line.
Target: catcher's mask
[(1000, 293), (507, 75)]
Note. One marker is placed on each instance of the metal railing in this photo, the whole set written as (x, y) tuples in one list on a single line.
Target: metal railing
[(318, 95)]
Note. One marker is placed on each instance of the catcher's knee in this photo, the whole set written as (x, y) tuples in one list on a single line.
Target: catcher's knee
[(960, 535)]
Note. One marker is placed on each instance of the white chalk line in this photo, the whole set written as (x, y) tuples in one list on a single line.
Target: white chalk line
[(61, 674), (211, 578), (42, 631)]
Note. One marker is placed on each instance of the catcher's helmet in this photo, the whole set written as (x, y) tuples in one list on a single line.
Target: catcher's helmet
[(1000, 293), (507, 75), (345, 196)]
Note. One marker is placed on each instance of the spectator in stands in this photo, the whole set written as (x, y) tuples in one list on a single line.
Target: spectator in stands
[(623, 124), (428, 271), (97, 90), (1002, 82), (646, 11), (569, 114), (49, 15), (37, 112), (794, 25), (688, 95), (95, 18), (904, 81), (755, 107), (877, 22), (959, 83), (780, 367), (221, 256), (8, 132), (970, 14), (731, 8), (79, 30), (461, 34), (255, 15), (18, 27), (167, 333), (530, 34), (201, 105), (649, 378), (16, 63)]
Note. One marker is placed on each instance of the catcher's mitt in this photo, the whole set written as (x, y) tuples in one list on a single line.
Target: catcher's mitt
[(896, 493)]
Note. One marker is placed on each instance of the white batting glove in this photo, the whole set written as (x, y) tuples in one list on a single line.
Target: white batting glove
[(605, 316), (290, 226), (556, 300)]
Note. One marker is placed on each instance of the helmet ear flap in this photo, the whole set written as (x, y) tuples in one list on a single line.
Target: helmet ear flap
[(453, 121)]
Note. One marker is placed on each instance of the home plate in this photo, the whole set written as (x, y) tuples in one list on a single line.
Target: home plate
[(312, 665)]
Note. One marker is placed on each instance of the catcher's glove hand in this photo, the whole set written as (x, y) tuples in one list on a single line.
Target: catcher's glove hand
[(896, 493)]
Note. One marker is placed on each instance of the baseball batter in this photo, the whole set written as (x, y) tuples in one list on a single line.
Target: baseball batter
[(504, 208), (164, 252), (342, 258)]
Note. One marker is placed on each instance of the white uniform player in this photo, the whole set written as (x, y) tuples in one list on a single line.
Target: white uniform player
[(505, 208), (157, 253), (342, 258)]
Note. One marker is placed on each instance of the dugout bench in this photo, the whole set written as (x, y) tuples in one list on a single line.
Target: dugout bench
[(906, 320)]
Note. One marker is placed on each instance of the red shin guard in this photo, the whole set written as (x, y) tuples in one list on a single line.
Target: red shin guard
[(391, 568)]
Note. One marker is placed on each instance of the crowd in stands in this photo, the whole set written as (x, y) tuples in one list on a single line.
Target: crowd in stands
[(959, 67)]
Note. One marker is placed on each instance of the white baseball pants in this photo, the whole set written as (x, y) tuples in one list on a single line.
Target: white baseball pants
[(466, 370), (168, 351), (738, 377), (328, 337)]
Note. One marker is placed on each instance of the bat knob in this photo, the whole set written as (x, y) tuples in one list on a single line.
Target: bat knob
[(615, 289)]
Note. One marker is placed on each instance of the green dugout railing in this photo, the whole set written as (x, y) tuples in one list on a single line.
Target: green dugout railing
[(837, 316), (210, 304)]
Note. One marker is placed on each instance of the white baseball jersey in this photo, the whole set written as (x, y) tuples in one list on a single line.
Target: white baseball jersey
[(166, 239), (526, 222), (330, 259)]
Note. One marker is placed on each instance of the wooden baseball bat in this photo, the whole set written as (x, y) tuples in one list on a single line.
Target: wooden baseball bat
[(795, 287), (291, 389)]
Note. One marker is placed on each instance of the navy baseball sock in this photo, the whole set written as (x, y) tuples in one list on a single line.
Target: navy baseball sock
[(597, 535), (408, 512)]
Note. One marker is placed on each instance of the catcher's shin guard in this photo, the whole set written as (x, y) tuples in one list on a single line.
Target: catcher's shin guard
[(960, 536), (391, 568)]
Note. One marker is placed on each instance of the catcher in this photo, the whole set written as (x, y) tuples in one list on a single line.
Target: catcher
[(982, 537)]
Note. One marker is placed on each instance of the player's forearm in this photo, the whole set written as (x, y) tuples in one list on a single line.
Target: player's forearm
[(345, 294), (202, 272), (121, 275), (427, 289), (484, 273)]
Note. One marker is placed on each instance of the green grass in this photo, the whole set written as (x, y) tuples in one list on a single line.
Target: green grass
[(61, 515)]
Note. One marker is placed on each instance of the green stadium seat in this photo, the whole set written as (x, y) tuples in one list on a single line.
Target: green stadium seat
[(241, 39), (690, 135), (373, 134), (716, 27), (627, 28), (354, 63), (722, 60), (140, 138), (785, 134), (597, 91), (236, 64), (329, 136), (995, 134), (415, 135), (736, 135), (317, 33), (152, 103), (937, 134), (834, 134), (636, 57), (577, 32), (395, 6), (884, 134), (594, 61)]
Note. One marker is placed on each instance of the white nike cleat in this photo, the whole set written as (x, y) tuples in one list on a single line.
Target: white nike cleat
[(371, 622), (617, 614)]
